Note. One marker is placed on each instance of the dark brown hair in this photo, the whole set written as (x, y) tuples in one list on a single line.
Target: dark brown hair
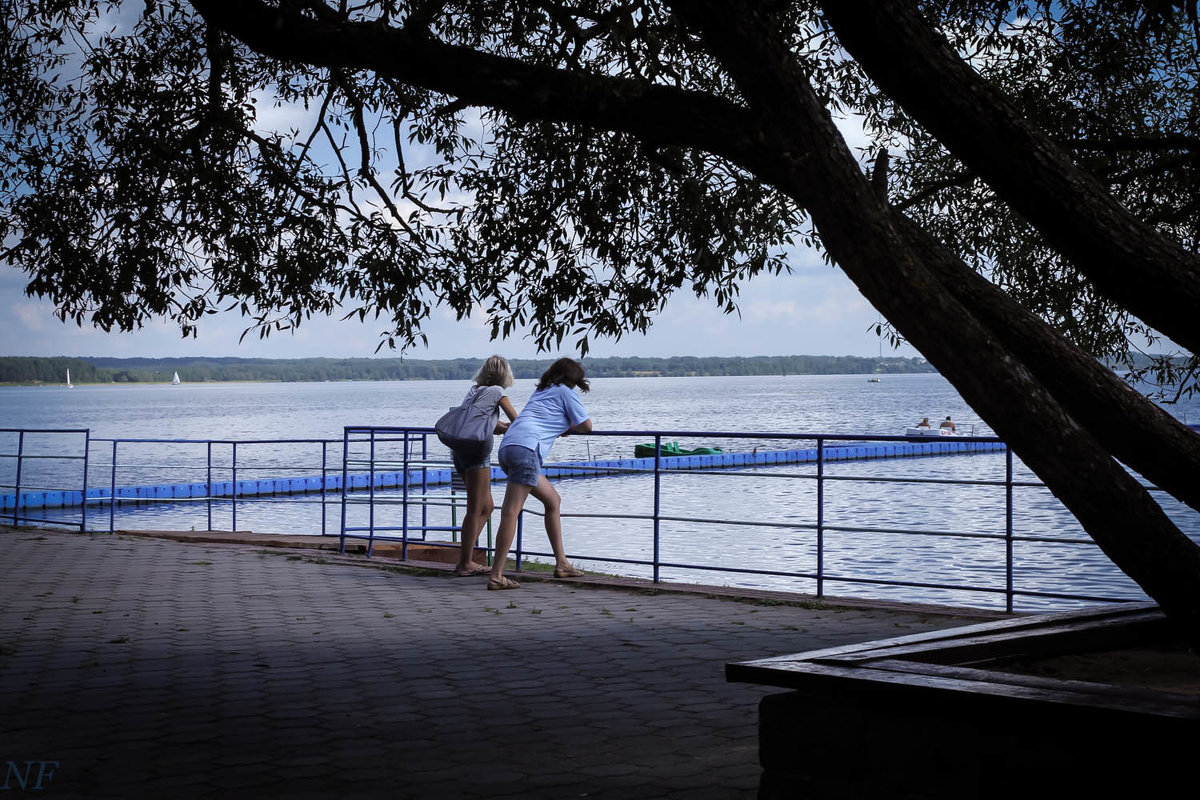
[(565, 371)]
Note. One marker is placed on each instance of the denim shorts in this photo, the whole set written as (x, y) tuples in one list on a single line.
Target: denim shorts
[(464, 463), (520, 464)]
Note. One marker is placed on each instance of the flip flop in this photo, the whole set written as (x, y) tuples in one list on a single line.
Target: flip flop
[(568, 572), (470, 573), (503, 583)]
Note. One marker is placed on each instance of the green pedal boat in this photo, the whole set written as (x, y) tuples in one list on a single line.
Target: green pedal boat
[(673, 449)]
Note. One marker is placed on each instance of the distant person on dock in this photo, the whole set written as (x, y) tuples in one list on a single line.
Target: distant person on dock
[(554, 410), (476, 467), (924, 423), (946, 423)]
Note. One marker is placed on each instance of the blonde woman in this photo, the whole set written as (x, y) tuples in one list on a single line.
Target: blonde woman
[(475, 467)]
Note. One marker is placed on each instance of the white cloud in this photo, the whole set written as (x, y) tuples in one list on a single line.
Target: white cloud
[(841, 303), (274, 116), (30, 315), (762, 312)]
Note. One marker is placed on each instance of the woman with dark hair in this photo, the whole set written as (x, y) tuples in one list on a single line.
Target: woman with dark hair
[(553, 410)]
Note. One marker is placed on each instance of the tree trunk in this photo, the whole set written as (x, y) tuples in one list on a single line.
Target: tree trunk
[(808, 159)]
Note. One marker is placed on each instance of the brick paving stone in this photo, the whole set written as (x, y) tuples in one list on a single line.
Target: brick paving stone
[(259, 674)]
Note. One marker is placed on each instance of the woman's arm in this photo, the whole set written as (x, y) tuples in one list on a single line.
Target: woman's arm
[(573, 409), (507, 406), (509, 410)]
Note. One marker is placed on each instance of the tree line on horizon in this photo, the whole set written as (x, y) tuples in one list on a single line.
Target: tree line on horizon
[(32, 370)]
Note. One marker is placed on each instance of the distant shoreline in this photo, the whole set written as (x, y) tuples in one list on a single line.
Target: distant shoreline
[(32, 370)]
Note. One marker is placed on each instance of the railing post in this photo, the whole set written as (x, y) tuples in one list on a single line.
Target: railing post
[(657, 500), (112, 491), (520, 534), (404, 495), (345, 487), (371, 499), (233, 506), (17, 488), (1008, 528), (87, 449), (425, 486), (820, 517), (324, 466), (208, 478)]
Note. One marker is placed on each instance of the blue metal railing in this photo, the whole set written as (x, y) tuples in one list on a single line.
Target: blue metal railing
[(830, 448), (52, 482), (386, 487), (200, 461)]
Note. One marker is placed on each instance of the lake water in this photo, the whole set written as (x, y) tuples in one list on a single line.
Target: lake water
[(828, 404), (759, 519)]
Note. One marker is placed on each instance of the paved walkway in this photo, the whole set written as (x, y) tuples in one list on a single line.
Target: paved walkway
[(152, 668)]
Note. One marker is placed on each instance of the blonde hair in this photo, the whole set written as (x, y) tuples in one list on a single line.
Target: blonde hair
[(495, 372)]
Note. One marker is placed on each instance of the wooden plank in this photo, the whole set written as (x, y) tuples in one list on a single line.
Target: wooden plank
[(826, 678), (1105, 694), (1075, 636), (967, 636)]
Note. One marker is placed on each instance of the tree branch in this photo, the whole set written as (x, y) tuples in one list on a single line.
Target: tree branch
[(365, 170), (659, 115), (1119, 144), (916, 67), (955, 181)]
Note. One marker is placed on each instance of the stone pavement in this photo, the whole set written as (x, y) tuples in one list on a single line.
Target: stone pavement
[(134, 667)]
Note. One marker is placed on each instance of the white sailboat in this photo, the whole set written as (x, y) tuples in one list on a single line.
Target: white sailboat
[(175, 380), (69, 384)]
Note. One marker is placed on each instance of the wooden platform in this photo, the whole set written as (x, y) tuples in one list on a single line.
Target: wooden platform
[(931, 715)]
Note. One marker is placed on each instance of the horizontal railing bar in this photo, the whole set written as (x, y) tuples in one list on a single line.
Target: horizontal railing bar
[(332, 497), (778, 573), (789, 525), (409, 528), (755, 471), (831, 437), (230, 442), (939, 481), (30, 489), (33, 457), (1084, 597)]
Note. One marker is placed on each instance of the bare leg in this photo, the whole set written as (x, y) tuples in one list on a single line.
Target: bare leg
[(550, 498), (479, 509), (514, 501)]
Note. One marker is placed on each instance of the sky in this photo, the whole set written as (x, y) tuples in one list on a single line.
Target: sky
[(815, 310)]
